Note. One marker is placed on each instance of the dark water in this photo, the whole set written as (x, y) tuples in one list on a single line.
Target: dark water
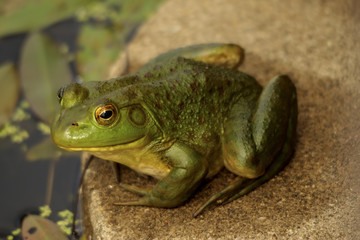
[(23, 184)]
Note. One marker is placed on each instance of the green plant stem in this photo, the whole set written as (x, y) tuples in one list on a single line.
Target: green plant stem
[(50, 181)]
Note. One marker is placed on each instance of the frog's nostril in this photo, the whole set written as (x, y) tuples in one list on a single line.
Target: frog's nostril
[(75, 124)]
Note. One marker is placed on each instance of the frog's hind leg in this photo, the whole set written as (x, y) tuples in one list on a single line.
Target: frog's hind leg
[(220, 54), (253, 137), (257, 137), (275, 167), (242, 186)]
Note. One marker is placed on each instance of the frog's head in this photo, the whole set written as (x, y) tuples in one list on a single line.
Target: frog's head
[(94, 119)]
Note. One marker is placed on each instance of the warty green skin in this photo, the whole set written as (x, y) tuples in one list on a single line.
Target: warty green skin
[(191, 100), (195, 117)]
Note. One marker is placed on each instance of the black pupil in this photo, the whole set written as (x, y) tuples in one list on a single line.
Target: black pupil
[(106, 114)]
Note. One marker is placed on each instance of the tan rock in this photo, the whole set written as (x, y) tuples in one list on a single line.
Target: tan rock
[(317, 195)]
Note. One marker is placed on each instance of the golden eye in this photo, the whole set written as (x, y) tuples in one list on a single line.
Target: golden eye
[(105, 115)]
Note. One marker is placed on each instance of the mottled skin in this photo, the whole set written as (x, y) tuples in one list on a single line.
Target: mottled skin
[(181, 120)]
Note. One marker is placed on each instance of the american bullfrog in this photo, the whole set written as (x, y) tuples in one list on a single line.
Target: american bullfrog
[(180, 119)]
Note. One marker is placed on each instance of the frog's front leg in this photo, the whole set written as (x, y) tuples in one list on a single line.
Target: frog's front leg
[(189, 168)]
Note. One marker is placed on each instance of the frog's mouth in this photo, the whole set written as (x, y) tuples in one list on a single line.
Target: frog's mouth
[(136, 143)]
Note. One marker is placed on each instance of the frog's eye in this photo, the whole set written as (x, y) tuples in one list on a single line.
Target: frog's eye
[(105, 115), (60, 93)]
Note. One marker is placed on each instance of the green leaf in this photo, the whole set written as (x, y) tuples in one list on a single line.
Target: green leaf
[(45, 150), (119, 12), (9, 91), (43, 70), (29, 15), (38, 228), (99, 48), (134, 10)]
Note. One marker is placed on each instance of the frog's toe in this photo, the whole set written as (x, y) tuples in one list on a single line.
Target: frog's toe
[(140, 202), (134, 189), (245, 188), (223, 195)]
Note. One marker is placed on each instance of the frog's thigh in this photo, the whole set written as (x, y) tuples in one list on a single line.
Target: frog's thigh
[(251, 144), (238, 146)]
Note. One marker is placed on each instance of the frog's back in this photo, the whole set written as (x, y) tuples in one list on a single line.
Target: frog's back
[(190, 99)]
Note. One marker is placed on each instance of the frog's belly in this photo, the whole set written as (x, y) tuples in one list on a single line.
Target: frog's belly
[(148, 163)]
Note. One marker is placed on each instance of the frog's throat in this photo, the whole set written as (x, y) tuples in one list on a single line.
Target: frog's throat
[(140, 142)]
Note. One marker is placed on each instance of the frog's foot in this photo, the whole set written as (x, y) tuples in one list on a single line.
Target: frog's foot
[(134, 189), (145, 201), (149, 200), (243, 186), (145, 193), (224, 195)]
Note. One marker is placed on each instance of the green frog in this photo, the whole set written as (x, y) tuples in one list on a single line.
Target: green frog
[(180, 119)]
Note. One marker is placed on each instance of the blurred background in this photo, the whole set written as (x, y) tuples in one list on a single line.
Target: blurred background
[(45, 44)]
